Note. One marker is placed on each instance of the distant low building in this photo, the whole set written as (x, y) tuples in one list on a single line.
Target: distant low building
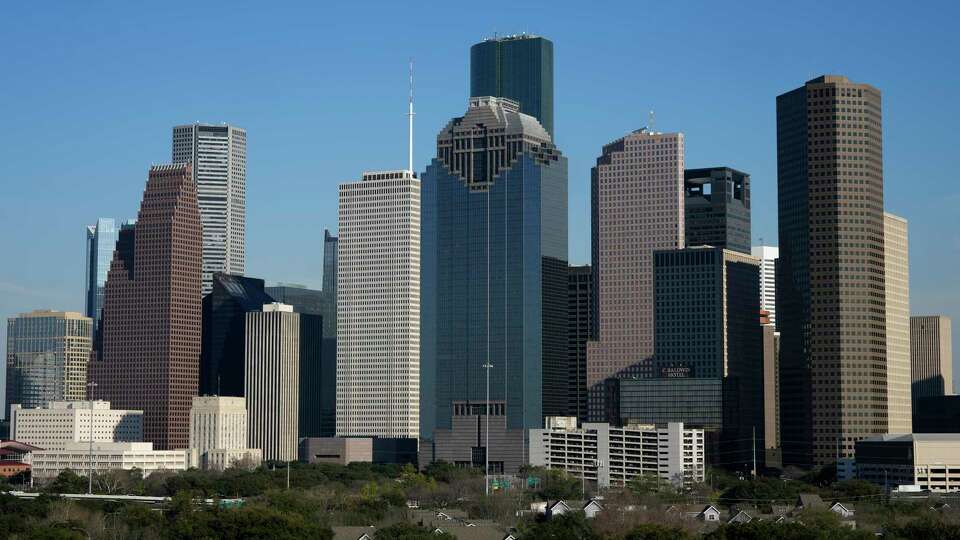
[(928, 460), (59, 423), (107, 456), (338, 450), (610, 455), (218, 432)]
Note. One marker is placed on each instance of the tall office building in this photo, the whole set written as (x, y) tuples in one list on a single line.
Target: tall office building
[(931, 356), (47, 357), (518, 67), (579, 330), (329, 287), (896, 260), (224, 315), (637, 204), (378, 306), (318, 358), (768, 279), (151, 319), (771, 388), (717, 208), (218, 154), (101, 241), (830, 275), (272, 380), (494, 286)]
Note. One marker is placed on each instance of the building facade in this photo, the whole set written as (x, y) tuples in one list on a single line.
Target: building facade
[(637, 203), (717, 208), (896, 261), (378, 306), (218, 432), (768, 279), (931, 356), (494, 282), (224, 312), (330, 258), (928, 460), (58, 423), (830, 274), (272, 380), (937, 414), (518, 67), (107, 456), (218, 154), (579, 330), (101, 241), (47, 357), (151, 321), (771, 384), (610, 456)]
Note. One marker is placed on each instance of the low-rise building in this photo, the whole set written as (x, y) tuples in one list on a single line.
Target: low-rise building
[(608, 455), (218, 432), (106, 456), (338, 450), (928, 460), (59, 423)]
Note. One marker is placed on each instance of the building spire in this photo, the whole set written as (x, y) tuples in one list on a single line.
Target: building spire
[(410, 123)]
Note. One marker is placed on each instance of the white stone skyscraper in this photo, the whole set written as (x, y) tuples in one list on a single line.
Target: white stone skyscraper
[(219, 157), (378, 306), (768, 278), (896, 262)]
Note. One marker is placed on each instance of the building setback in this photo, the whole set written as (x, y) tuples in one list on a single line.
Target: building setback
[(151, 320), (768, 279), (717, 208), (637, 202), (218, 154), (494, 285), (896, 260), (518, 67), (47, 357), (272, 380), (931, 356), (378, 306), (579, 330), (830, 274)]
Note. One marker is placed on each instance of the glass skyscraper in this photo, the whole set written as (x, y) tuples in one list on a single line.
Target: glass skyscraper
[(519, 68), (101, 240), (494, 285), (330, 259)]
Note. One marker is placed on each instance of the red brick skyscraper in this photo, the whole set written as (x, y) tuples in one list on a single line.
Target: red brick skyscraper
[(151, 315)]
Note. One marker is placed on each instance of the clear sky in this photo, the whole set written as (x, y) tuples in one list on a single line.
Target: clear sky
[(89, 92)]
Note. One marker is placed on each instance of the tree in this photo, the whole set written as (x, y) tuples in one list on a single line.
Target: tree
[(572, 526), (68, 482), (652, 531), (408, 531)]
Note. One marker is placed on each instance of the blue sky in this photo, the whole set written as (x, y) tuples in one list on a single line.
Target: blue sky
[(89, 92)]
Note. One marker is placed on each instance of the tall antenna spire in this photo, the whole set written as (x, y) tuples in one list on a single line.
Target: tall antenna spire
[(410, 123), (652, 122)]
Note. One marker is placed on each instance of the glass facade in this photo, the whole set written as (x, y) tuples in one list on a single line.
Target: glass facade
[(717, 208), (519, 68), (330, 258), (101, 241), (494, 270)]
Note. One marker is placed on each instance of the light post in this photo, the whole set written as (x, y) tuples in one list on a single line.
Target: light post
[(90, 386)]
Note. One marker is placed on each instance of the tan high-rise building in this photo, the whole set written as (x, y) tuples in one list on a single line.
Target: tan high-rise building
[(150, 356), (896, 260), (931, 356), (637, 204), (47, 356), (830, 274)]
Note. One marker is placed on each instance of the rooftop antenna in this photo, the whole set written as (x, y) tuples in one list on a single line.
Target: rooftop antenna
[(410, 123), (652, 122)]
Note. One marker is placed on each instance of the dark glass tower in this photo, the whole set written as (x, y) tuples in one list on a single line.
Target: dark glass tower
[(717, 208), (579, 330), (224, 310), (830, 275), (516, 67), (494, 284), (330, 260)]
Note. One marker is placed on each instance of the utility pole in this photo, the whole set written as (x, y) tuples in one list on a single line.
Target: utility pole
[(90, 386), (288, 475), (753, 439)]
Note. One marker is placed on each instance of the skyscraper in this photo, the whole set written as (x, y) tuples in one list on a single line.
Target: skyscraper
[(637, 200), (272, 380), (931, 356), (218, 154), (518, 67), (830, 284), (151, 319), (101, 240), (579, 330), (224, 315), (330, 285), (896, 260), (717, 208), (768, 279), (494, 285), (47, 357), (378, 306)]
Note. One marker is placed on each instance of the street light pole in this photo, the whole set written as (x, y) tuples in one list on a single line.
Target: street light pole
[(90, 386)]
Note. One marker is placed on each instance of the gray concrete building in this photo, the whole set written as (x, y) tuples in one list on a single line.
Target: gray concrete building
[(337, 450)]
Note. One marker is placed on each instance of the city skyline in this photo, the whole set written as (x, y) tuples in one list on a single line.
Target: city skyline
[(42, 284)]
